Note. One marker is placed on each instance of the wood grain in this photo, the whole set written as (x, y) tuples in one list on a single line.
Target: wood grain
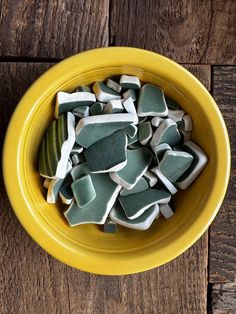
[(52, 29), (202, 72), (186, 31), (15, 78), (223, 231), (175, 288), (31, 281), (224, 298)]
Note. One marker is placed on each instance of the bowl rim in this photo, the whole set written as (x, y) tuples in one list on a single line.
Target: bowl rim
[(55, 247)]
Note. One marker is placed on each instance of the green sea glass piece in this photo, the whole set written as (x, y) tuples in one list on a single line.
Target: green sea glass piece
[(114, 106), (66, 194), (56, 146), (93, 128), (104, 156), (114, 85), (138, 161), (96, 109), (141, 185), (97, 210), (163, 180), (75, 159), (134, 139), (160, 150), (81, 112), (135, 205), (145, 132), (83, 190), (131, 130), (67, 102), (130, 93), (130, 82), (174, 164), (104, 93), (78, 149), (198, 164), (53, 190), (143, 222), (83, 89), (150, 178), (172, 104), (167, 132), (109, 226), (151, 101)]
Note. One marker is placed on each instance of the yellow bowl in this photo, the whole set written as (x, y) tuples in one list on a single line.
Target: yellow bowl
[(86, 247)]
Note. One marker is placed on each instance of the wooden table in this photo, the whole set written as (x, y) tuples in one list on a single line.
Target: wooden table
[(201, 35)]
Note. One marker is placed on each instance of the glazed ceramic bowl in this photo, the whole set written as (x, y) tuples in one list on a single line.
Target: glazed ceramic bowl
[(86, 247)]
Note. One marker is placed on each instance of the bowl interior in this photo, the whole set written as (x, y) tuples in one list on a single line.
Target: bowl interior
[(90, 248), (188, 203)]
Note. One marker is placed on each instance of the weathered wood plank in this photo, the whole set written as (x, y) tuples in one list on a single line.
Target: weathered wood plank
[(15, 78), (33, 282), (223, 231), (52, 29), (186, 31), (30, 280), (175, 288), (224, 298), (202, 72)]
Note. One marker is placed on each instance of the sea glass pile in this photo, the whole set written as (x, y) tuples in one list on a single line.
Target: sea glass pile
[(117, 152)]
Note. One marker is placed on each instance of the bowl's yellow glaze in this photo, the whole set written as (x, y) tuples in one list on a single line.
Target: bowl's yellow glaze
[(86, 247)]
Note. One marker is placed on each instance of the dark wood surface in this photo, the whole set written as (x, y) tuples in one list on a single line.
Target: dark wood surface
[(199, 33), (186, 31), (223, 229), (52, 29), (224, 298)]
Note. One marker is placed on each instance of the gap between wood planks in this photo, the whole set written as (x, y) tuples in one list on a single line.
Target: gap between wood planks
[(56, 60), (29, 59), (209, 286)]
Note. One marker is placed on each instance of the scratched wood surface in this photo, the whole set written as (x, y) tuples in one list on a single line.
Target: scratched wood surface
[(52, 29), (224, 298), (31, 281), (198, 32), (223, 229), (186, 31)]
